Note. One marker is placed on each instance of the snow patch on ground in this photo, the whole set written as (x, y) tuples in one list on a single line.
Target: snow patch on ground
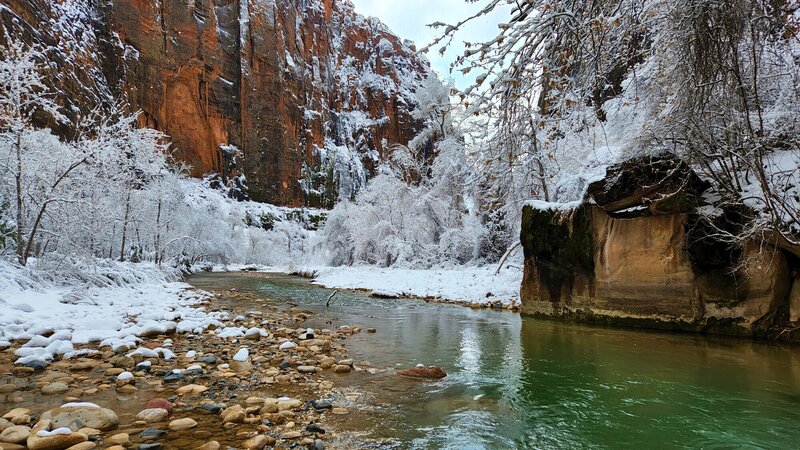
[(464, 284), (79, 313)]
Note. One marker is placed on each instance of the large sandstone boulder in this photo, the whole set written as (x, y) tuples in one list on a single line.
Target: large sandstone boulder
[(636, 252)]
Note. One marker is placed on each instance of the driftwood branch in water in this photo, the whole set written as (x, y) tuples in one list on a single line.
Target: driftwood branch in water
[(328, 303)]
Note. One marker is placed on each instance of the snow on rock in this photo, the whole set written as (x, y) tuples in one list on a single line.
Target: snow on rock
[(124, 376), (57, 431), (463, 284), (232, 332), (255, 332), (79, 405), (241, 355), (287, 345)]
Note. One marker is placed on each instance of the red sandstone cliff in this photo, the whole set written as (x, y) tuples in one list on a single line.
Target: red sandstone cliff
[(301, 97)]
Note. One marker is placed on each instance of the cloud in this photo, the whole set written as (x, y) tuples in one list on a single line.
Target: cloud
[(409, 19)]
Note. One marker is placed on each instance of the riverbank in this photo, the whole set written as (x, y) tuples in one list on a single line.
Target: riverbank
[(255, 378), (471, 286)]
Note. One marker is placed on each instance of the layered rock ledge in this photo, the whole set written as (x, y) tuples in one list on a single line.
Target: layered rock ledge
[(636, 252)]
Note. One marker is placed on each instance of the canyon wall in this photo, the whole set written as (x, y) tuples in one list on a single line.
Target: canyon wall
[(636, 252), (297, 100)]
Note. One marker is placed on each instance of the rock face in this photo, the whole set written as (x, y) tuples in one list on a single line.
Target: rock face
[(620, 259), (295, 99)]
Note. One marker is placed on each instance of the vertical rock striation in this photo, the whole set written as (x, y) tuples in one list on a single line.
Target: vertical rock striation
[(297, 99)]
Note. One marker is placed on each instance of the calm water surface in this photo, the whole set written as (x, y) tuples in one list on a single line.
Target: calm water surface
[(517, 382)]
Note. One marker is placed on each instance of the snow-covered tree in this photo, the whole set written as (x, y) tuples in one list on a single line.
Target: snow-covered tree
[(570, 87)]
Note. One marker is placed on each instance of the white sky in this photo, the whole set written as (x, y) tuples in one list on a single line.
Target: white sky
[(409, 19)]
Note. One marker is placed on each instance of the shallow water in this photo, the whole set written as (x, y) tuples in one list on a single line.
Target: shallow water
[(517, 382)]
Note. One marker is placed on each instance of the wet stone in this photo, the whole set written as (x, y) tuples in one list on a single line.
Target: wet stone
[(207, 359), (151, 434), (213, 408), (173, 377)]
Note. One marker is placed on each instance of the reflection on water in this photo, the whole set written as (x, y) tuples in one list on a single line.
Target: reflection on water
[(523, 383)]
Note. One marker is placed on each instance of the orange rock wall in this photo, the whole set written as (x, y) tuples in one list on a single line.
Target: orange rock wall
[(271, 77)]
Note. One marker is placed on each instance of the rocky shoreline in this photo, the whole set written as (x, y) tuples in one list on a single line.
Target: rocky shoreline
[(263, 380)]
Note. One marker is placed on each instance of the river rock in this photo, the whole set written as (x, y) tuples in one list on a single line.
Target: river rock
[(289, 404), (191, 389), (151, 433), (55, 388), (342, 368), (182, 424), (241, 366), (234, 414), (123, 362), (423, 372), (327, 362), (152, 415), (306, 369), (16, 412), (158, 402), (87, 445), (122, 439), (16, 434), (256, 443), (79, 417), (211, 445), (55, 441)]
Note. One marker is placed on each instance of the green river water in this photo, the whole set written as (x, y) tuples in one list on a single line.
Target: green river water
[(517, 382)]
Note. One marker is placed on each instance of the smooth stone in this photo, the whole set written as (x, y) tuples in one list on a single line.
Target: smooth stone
[(54, 442), (306, 369), (55, 388), (158, 402), (212, 445), (213, 408), (191, 389), (314, 428), (151, 433), (423, 372), (151, 415), (16, 434), (339, 411), (16, 412), (327, 362), (321, 404), (256, 443), (182, 424), (123, 439), (341, 368), (173, 377), (207, 359), (101, 418), (87, 445), (154, 446)]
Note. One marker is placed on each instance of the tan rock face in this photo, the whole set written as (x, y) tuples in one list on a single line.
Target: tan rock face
[(280, 80), (586, 265)]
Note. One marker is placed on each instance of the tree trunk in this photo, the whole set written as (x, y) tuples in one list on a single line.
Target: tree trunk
[(18, 184), (125, 227)]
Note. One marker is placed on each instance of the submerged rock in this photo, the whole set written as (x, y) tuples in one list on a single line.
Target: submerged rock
[(423, 372)]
